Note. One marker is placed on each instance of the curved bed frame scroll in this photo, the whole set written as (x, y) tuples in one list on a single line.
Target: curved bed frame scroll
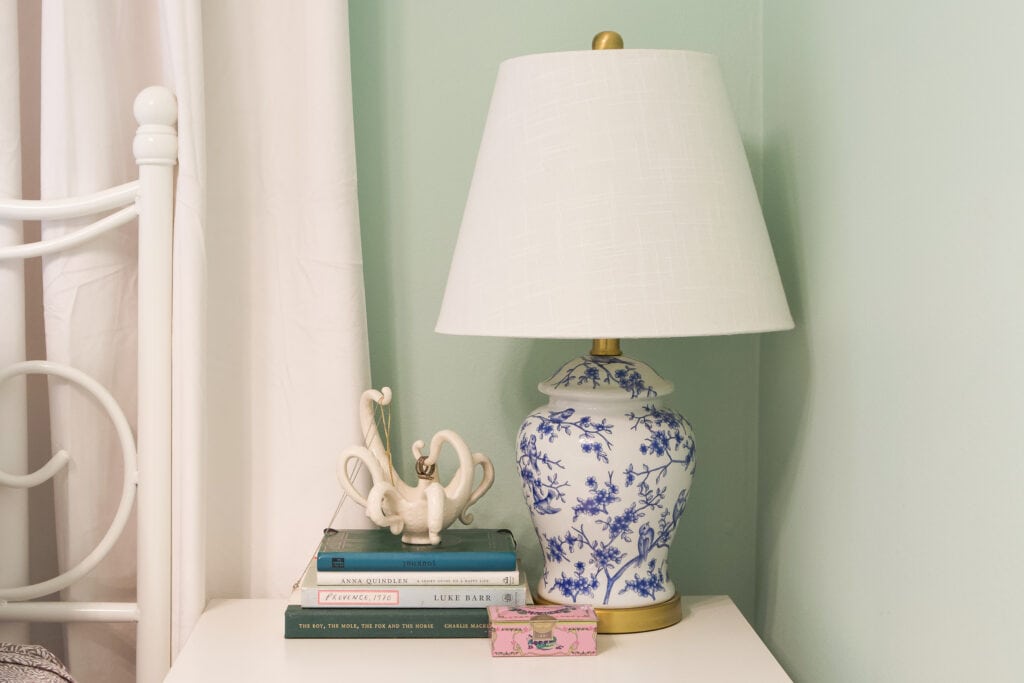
[(150, 198)]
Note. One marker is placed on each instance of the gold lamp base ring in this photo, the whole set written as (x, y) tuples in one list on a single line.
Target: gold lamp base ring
[(635, 619)]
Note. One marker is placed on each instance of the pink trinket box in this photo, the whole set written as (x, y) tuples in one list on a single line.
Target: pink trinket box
[(543, 630)]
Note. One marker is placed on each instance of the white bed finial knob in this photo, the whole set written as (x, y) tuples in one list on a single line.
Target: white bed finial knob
[(156, 142)]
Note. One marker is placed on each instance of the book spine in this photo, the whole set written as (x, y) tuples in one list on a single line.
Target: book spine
[(420, 561), (390, 623), (412, 596), (482, 578)]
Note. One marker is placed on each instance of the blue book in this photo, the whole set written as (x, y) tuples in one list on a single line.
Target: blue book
[(380, 550)]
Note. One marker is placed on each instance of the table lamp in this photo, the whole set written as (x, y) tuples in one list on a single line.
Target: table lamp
[(611, 199)]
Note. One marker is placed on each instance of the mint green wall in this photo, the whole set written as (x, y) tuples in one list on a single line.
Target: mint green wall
[(891, 516), (422, 78), (887, 519)]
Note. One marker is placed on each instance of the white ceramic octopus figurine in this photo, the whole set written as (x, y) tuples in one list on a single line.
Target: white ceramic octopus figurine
[(418, 512)]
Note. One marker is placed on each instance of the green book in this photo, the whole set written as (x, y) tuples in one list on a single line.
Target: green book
[(378, 549), (373, 622)]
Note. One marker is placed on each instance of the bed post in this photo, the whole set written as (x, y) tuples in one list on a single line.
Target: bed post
[(155, 148)]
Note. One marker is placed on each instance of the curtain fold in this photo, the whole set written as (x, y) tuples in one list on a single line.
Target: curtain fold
[(286, 297), (269, 340), (183, 65), (95, 56), (13, 413)]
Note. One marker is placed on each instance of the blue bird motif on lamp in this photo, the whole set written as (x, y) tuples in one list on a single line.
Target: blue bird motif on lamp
[(644, 541)]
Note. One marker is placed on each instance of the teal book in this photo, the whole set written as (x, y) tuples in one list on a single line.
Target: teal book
[(379, 550), (455, 622)]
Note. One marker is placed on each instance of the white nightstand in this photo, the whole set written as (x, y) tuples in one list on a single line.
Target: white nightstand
[(242, 640)]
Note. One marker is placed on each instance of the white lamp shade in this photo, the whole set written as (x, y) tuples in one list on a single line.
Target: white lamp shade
[(612, 198)]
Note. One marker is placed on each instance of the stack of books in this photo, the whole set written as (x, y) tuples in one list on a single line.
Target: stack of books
[(366, 583)]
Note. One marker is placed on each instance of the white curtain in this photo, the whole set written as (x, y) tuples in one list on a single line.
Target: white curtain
[(14, 536), (285, 295), (270, 350), (89, 71)]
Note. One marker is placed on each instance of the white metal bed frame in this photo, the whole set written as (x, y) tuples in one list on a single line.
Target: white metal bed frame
[(150, 198)]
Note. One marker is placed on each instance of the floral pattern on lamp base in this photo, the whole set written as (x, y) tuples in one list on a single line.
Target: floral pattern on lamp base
[(606, 468)]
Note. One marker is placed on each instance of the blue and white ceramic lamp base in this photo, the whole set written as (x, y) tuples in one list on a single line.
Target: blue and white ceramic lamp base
[(606, 469)]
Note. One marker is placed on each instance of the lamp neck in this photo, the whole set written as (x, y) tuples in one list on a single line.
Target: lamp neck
[(606, 40), (605, 347)]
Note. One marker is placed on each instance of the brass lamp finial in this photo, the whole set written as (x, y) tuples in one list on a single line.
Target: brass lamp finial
[(607, 40)]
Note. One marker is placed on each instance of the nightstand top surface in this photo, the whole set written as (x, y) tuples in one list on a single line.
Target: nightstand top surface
[(243, 640)]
